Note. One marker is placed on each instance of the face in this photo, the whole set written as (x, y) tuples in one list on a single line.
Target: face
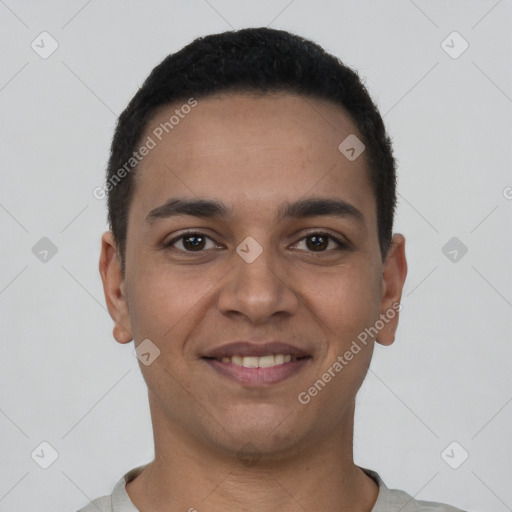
[(283, 260)]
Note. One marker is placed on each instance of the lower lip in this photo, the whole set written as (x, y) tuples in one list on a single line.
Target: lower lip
[(258, 376)]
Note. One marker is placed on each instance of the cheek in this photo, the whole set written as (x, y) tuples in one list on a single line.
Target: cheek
[(344, 303), (163, 300), (345, 299)]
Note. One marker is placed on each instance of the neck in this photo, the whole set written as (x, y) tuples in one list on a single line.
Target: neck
[(188, 476)]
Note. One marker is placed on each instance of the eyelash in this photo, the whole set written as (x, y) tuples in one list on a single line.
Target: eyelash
[(341, 245)]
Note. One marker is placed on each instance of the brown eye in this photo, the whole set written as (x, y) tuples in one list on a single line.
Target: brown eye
[(319, 242), (194, 242), (190, 242)]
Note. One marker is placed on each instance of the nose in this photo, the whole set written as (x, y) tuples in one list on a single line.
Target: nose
[(258, 290)]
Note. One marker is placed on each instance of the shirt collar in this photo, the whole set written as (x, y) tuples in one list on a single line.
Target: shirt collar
[(121, 502)]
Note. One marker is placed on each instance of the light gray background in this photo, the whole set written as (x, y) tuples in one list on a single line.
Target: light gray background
[(63, 378)]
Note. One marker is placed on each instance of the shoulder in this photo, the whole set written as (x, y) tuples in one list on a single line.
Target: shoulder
[(400, 500), (117, 501), (103, 504), (395, 500)]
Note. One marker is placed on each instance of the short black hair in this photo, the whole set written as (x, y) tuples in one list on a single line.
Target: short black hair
[(259, 60)]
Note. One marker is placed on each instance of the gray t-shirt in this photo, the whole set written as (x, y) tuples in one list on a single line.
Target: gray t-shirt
[(388, 500)]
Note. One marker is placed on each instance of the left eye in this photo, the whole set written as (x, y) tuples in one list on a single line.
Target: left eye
[(196, 242), (319, 242)]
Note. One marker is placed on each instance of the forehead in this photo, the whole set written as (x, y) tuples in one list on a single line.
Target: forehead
[(251, 151), (312, 126)]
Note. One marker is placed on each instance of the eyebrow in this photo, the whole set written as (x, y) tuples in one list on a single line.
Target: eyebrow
[(211, 208)]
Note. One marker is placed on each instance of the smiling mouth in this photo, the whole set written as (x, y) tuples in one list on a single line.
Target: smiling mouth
[(262, 370), (268, 361)]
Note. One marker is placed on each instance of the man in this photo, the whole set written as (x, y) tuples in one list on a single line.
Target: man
[(251, 195)]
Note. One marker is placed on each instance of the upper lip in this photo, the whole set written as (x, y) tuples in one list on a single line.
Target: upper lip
[(255, 349)]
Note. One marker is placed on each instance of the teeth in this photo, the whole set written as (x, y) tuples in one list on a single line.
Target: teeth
[(266, 361), (259, 362), (236, 360), (250, 362)]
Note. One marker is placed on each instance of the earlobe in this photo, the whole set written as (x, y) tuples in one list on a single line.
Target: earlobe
[(121, 335), (114, 288), (393, 278)]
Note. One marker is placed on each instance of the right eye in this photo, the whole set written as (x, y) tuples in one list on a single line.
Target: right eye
[(191, 241)]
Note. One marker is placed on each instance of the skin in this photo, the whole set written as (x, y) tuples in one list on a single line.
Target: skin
[(252, 153)]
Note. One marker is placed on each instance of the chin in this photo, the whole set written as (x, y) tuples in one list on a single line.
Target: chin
[(266, 430)]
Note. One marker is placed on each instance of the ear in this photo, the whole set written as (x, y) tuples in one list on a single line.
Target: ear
[(114, 288), (393, 278)]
